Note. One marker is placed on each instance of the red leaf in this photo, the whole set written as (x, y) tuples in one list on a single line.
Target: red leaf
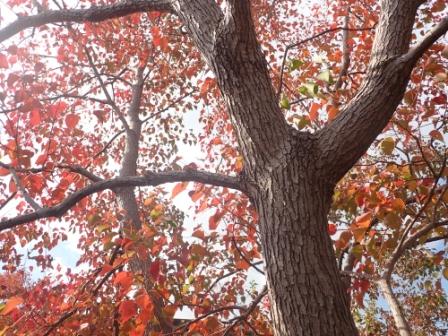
[(214, 220), (242, 265), (331, 229), (440, 100), (4, 171), (196, 195), (127, 310), (156, 40), (56, 109), (37, 183), (34, 117), (154, 269), (3, 61), (71, 120)]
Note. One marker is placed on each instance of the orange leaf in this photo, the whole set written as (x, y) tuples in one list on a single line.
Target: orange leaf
[(124, 279), (127, 310), (178, 189), (314, 111), (196, 195), (242, 265), (11, 304), (363, 221), (332, 112), (199, 234), (398, 204)]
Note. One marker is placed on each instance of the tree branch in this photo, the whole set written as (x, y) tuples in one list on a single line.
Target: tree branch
[(308, 39), (24, 192), (93, 14), (151, 179), (73, 168), (419, 49), (347, 138)]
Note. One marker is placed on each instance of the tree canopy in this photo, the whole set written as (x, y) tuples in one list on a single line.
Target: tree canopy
[(104, 103)]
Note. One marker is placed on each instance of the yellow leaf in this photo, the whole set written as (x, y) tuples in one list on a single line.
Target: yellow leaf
[(388, 145), (445, 273)]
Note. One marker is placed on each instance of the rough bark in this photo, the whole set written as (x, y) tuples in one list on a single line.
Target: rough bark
[(307, 295)]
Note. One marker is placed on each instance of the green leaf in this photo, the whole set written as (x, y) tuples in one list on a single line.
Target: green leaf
[(309, 89), (284, 103), (302, 122), (388, 145), (295, 64)]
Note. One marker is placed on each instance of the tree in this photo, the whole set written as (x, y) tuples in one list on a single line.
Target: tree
[(286, 133)]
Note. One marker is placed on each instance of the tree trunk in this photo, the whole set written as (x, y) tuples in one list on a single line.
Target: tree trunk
[(307, 294)]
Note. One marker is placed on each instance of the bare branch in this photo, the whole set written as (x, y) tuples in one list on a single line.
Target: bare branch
[(151, 179), (73, 168), (345, 52), (105, 91), (9, 199), (93, 14)]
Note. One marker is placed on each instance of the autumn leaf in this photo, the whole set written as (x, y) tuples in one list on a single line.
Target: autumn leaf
[(154, 269), (11, 304), (3, 61), (314, 111), (242, 264), (127, 310), (35, 117), (124, 279), (71, 120), (388, 145), (332, 229), (179, 187), (214, 220)]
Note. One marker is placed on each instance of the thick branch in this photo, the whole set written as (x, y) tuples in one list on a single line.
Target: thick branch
[(348, 137), (93, 14), (151, 179)]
